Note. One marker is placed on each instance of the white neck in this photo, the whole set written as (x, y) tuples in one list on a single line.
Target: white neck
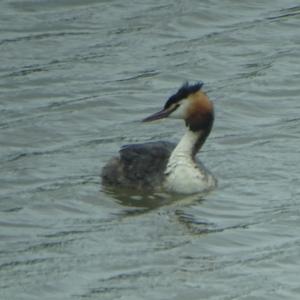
[(183, 154), (183, 174), (186, 147)]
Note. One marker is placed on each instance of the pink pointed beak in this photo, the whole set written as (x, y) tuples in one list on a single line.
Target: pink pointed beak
[(158, 115)]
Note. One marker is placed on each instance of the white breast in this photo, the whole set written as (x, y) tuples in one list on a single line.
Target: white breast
[(186, 178), (183, 175)]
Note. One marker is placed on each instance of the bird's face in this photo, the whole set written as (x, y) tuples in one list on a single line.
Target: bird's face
[(175, 110), (189, 104)]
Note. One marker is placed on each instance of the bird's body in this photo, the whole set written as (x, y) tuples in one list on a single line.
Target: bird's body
[(138, 166), (163, 166)]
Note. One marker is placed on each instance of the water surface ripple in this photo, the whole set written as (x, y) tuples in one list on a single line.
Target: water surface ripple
[(76, 78)]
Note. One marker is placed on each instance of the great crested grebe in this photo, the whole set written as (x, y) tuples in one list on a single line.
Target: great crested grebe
[(163, 166)]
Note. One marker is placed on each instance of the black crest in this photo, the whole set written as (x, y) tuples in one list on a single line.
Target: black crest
[(184, 92)]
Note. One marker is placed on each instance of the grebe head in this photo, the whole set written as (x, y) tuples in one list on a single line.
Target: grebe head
[(192, 105)]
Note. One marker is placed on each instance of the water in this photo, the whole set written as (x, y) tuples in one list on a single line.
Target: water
[(76, 77)]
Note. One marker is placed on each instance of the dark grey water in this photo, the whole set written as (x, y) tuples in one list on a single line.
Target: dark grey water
[(75, 79)]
